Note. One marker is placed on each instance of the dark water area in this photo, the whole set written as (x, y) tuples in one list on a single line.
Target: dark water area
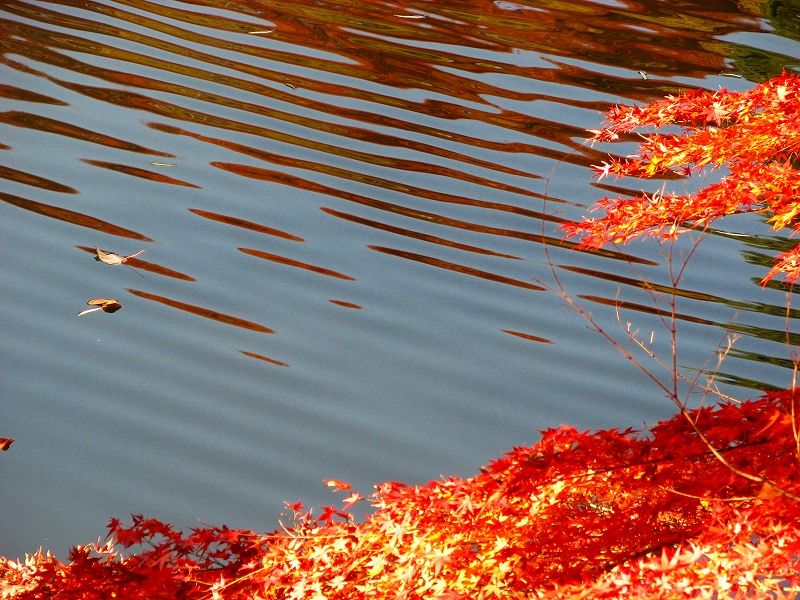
[(347, 211)]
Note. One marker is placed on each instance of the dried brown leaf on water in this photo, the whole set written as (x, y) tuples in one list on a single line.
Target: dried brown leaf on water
[(105, 304), (5, 443), (112, 258)]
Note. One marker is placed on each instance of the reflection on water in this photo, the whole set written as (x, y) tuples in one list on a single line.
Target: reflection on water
[(70, 216), (375, 190)]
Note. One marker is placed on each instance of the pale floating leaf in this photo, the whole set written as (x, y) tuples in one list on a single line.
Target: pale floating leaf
[(112, 258)]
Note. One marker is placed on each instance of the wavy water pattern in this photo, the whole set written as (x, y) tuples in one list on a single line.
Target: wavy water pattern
[(382, 194)]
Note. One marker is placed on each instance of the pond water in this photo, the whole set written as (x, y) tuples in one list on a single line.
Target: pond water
[(344, 208)]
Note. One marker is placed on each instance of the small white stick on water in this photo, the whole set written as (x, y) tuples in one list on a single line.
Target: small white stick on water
[(134, 270), (88, 310)]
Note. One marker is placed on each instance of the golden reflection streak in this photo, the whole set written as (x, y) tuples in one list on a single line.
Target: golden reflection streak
[(450, 266), (346, 304), (34, 181), (203, 312), (69, 216), (249, 225), (264, 358), (48, 125), (527, 336), (138, 172), (144, 265), (414, 234), (14, 93), (311, 186), (295, 263)]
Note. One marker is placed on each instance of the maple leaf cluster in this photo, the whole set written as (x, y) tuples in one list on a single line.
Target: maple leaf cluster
[(755, 135), (705, 505)]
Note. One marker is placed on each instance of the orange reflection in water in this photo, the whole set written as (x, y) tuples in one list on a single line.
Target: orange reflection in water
[(415, 234), (264, 358), (70, 216), (14, 93), (35, 181), (203, 312), (295, 263), (138, 172), (527, 336), (450, 266), (249, 225), (346, 304), (53, 126)]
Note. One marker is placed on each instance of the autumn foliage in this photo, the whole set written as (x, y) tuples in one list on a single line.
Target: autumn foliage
[(754, 135)]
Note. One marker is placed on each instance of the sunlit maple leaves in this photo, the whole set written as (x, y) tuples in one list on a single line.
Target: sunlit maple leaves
[(609, 514), (755, 135)]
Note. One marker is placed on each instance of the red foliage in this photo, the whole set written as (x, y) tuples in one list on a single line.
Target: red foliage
[(754, 134), (706, 505)]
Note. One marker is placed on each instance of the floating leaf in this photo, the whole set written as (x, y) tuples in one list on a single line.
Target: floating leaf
[(112, 258), (105, 304), (5, 443)]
